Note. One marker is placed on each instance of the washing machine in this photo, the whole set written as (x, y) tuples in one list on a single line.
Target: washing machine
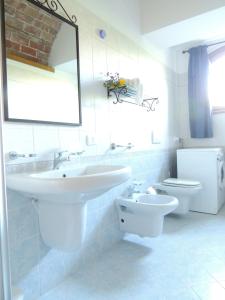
[(207, 166)]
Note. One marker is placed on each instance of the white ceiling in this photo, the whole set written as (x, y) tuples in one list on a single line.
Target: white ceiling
[(160, 13), (205, 27)]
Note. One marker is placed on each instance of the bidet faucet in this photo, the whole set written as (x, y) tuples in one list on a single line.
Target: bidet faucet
[(134, 188)]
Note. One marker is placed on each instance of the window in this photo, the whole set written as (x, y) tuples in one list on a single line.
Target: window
[(217, 84)]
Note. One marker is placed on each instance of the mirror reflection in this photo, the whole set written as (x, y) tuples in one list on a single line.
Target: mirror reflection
[(42, 65)]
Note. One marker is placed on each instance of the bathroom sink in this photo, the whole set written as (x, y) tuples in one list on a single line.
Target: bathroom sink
[(60, 198), (89, 179)]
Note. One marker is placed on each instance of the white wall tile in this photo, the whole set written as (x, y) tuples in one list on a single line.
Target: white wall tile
[(69, 139), (46, 140), (18, 138)]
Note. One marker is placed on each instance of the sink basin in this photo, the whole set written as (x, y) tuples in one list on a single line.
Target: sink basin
[(60, 198), (81, 180)]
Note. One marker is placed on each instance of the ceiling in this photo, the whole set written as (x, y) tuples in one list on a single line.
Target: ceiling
[(207, 26), (161, 13), (163, 24)]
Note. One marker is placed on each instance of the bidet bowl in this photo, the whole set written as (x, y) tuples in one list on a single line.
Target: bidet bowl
[(158, 204), (144, 214)]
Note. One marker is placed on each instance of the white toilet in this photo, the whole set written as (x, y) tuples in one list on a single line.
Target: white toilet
[(144, 213), (182, 189)]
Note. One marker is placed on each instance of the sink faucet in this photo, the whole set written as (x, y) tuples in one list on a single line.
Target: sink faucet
[(59, 158)]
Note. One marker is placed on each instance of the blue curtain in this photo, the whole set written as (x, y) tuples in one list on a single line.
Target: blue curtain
[(200, 114)]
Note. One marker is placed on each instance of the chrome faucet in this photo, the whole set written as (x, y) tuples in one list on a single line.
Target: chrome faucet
[(62, 156), (114, 146), (59, 158), (134, 188), (14, 155)]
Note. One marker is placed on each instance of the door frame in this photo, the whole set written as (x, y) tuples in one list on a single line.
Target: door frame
[(5, 281)]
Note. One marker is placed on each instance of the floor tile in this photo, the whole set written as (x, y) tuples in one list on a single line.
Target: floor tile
[(212, 291), (187, 262)]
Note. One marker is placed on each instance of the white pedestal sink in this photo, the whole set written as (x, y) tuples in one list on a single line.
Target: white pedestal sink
[(62, 196)]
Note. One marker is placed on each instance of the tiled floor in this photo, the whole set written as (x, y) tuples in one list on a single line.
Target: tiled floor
[(187, 262)]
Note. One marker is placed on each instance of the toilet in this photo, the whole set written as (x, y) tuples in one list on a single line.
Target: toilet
[(182, 189), (143, 214)]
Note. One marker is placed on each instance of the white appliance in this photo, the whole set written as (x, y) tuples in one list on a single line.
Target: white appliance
[(207, 166)]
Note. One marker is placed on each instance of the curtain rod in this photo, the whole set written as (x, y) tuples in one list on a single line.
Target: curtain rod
[(213, 44)]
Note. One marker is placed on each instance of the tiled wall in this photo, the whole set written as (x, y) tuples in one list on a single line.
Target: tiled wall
[(35, 267)]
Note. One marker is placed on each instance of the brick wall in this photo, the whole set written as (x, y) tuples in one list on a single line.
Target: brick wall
[(30, 31)]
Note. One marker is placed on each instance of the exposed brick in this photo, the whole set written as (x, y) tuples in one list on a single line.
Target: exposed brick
[(30, 51), (52, 31), (20, 5), (47, 48), (13, 46), (41, 25), (42, 57), (23, 17), (31, 11), (30, 31), (35, 39), (7, 35), (47, 36), (20, 38), (14, 23), (10, 10), (39, 46), (34, 59), (47, 19)]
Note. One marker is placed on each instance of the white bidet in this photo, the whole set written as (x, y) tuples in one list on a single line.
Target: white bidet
[(144, 213)]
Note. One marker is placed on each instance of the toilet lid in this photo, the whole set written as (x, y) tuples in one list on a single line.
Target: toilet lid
[(180, 182)]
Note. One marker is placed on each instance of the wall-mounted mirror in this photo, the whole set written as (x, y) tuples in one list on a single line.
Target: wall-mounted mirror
[(42, 65)]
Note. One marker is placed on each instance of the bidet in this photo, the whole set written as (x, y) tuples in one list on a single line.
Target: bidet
[(144, 214)]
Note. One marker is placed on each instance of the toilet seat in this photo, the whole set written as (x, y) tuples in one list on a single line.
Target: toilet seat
[(182, 189), (176, 182)]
